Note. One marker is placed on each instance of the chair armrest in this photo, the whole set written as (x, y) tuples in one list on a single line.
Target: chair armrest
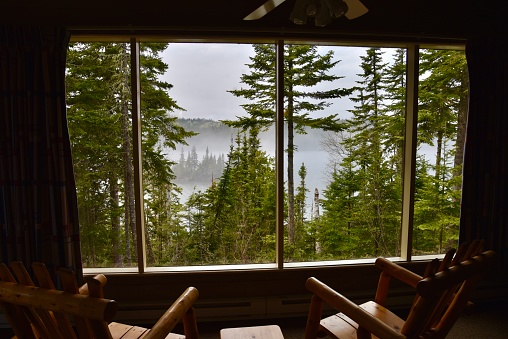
[(398, 272), (174, 313), (353, 311)]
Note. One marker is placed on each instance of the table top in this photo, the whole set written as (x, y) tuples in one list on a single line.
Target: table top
[(253, 332)]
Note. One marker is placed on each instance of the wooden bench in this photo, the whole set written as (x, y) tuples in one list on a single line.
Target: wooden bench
[(43, 312)]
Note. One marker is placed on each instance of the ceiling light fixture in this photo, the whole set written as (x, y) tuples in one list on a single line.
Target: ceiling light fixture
[(323, 11)]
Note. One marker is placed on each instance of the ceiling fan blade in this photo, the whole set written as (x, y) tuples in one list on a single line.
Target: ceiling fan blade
[(356, 9), (262, 10)]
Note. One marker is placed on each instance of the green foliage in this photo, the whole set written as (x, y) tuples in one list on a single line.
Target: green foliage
[(363, 201), (304, 68), (98, 87), (233, 220), (237, 213)]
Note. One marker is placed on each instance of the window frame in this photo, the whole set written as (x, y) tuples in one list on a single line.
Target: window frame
[(409, 160)]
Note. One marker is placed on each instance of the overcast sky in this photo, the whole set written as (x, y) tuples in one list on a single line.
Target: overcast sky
[(202, 73)]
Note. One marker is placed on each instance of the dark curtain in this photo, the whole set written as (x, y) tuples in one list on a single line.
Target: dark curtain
[(484, 212), (38, 208)]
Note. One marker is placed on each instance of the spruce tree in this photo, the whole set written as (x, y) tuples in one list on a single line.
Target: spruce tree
[(99, 111), (240, 206), (304, 68), (442, 121), (377, 198)]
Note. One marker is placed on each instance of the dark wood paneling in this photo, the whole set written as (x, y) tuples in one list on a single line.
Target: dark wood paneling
[(385, 17), (151, 288)]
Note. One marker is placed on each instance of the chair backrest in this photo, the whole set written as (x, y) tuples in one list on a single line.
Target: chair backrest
[(441, 297), (36, 312), (44, 312)]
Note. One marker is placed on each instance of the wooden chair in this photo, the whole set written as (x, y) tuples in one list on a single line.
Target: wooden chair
[(442, 293), (44, 312)]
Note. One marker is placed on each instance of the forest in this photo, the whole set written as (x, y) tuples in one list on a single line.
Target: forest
[(232, 220)]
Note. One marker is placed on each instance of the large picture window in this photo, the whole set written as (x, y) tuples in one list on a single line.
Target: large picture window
[(210, 153)]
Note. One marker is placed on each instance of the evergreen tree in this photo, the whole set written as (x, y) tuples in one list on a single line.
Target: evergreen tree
[(240, 206), (304, 68), (301, 196), (379, 196), (442, 120), (99, 111), (340, 236)]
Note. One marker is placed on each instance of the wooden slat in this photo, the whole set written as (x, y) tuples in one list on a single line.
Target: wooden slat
[(339, 326), (42, 320), (124, 331), (384, 314), (19, 322), (44, 279), (21, 273), (447, 260), (70, 285), (100, 327), (118, 330), (42, 275)]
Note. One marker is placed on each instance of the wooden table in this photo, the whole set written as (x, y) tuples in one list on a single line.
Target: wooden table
[(253, 332)]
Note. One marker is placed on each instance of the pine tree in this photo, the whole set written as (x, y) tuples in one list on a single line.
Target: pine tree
[(442, 120), (340, 235), (240, 206), (304, 68), (98, 86), (378, 193)]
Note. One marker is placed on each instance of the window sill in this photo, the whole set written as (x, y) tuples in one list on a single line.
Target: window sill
[(252, 267)]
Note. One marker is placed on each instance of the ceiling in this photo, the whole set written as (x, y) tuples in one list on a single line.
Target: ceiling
[(411, 18)]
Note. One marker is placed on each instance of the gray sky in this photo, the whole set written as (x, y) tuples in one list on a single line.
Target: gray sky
[(202, 73)]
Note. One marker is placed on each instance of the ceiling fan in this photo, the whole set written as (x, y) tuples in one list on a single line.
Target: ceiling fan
[(323, 11)]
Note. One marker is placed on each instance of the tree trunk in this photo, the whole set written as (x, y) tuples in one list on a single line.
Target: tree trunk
[(130, 215), (461, 132), (316, 217), (115, 224), (128, 185), (149, 251), (291, 180)]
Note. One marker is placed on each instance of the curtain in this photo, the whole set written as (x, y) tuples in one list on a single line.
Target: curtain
[(38, 208), (484, 211)]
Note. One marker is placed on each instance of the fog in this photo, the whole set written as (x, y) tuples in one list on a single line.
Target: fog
[(309, 152), (203, 73)]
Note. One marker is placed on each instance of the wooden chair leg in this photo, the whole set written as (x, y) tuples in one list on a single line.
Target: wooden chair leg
[(190, 326), (314, 317)]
